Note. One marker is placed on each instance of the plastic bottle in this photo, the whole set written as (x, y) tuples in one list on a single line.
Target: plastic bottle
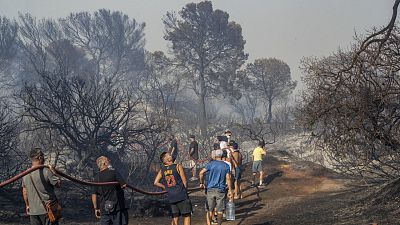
[(230, 210)]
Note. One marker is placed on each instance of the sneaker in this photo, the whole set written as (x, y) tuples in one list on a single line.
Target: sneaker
[(193, 178)]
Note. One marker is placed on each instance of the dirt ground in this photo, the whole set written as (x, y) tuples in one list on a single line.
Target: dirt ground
[(297, 193)]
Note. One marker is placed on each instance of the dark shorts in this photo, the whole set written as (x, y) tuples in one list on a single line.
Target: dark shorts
[(257, 166), (238, 173), (215, 199), (119, 217), (182, 208), (41, 220)]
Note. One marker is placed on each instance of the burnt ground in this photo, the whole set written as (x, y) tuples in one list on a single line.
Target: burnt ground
[(298, 192)]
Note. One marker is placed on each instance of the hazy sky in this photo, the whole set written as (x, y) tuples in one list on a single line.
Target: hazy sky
[(284, 29)]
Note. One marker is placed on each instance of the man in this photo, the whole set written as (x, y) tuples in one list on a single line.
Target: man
[(174, 182), (108, 201), (194, 156), (40, 182), (238, 159), (258, 154), (228, 135), (218, 177), (173, 147)]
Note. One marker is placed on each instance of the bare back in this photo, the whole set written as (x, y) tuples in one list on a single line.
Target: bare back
[(238, 157)]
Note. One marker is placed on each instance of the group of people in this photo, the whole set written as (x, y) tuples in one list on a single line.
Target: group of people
[(220, 178)]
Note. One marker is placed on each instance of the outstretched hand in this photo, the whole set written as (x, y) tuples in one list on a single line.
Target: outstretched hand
[(51, 168), (97, 213)]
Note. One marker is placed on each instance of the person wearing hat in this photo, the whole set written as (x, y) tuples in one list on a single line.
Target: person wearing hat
[(218, 177), (40, 182), (194, 156), (224, 143)]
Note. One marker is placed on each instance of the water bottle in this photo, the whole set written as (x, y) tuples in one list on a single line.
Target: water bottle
[(230, 210)]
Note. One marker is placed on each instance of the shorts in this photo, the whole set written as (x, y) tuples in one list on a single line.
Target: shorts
[(215, 199), (181, 208), (257, 166), (192, 163), (238, 172), (118, 217), (41, 220)]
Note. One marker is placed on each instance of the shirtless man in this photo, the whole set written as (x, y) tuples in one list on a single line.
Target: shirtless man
[(237, 158)]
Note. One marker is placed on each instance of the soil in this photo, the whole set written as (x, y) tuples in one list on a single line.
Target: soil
[(297, 192)]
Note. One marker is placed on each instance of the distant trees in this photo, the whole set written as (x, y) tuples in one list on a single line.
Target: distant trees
[(209, 47), (270, 80), (112, 41), (8, 46)]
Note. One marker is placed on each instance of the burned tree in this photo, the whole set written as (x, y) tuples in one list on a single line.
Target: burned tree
[(8, 41), (270, 80), (112, 41), (209, 47), (11, 159), (78, 87), (352, 108)]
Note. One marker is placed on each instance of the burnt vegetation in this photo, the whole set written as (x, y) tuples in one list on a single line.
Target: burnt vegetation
[(85, 85)]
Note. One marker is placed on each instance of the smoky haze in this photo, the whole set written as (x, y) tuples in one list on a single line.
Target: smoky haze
[(284, 29)]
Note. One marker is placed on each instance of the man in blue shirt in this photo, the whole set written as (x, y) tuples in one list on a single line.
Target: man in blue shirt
[(218, 178)]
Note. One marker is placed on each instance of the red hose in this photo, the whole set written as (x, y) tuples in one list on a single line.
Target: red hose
[(89, 183)]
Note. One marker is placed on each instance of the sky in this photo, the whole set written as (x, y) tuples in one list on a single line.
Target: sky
[(285, 29)]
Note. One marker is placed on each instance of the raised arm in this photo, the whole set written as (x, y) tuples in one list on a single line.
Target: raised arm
[(264, 152), (53, 177), (120, 179)]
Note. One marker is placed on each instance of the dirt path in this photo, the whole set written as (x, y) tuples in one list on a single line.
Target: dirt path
[(289, 183)]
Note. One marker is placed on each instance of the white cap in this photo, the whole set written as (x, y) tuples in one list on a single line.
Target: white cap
[(223, 144)]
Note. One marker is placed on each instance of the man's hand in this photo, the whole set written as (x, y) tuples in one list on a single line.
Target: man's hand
[(202, 185), (51, 168), (97, 213), (27, 209)]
